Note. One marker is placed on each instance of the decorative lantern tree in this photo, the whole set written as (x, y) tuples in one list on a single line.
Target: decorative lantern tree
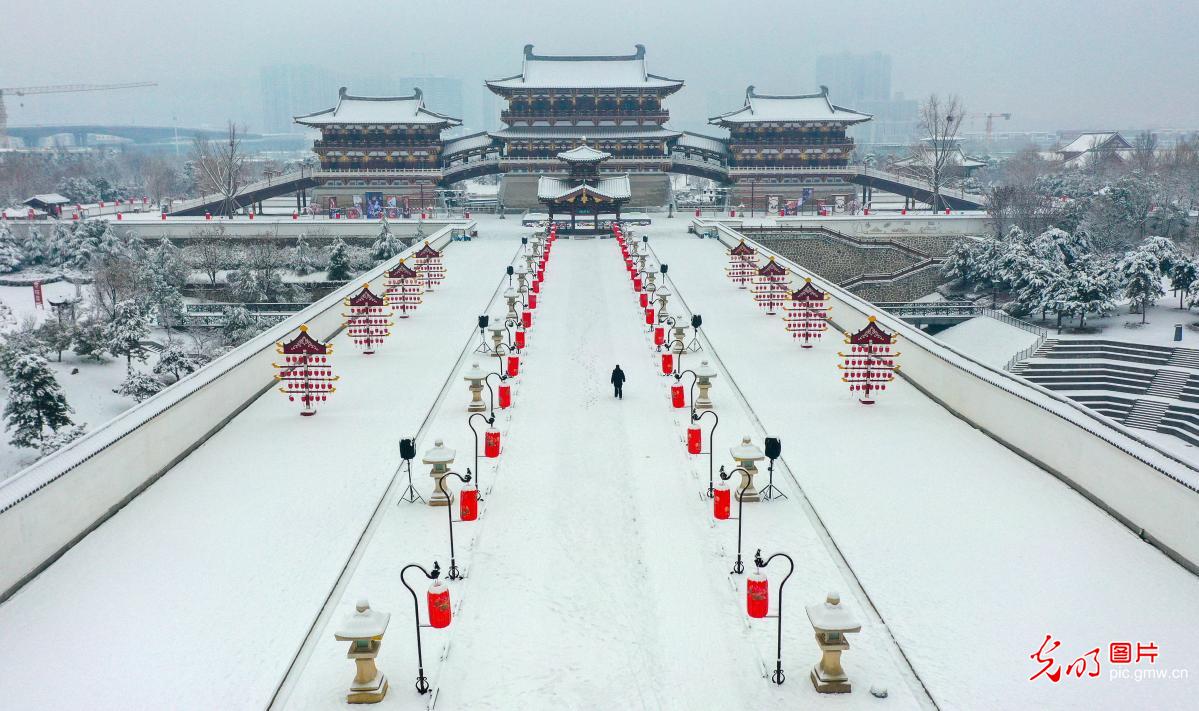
[(369, 320), (305, 370), (427, 262), (743, 264), (404, 288), (806, 313), (870, 363), (772, 286)]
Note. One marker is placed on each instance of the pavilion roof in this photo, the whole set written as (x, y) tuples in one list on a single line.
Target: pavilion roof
[(366, 297), (761, 108), (378, 110), (743, 249), (615, 187), (541, 71), (808, 292), (586, 133), (303, 344), (872, 334), (1095, 141), (427, 252), (584, 154), (402, 271), (772, 268)]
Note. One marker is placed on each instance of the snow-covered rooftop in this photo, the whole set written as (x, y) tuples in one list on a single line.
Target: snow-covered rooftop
[(1095, 141), (379, 110), (584, 154), (585, 72), (801, 107), (586, 133), (466, 143), (615, 187), (956, 158), (706, 143)]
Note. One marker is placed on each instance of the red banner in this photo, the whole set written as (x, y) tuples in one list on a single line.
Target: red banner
[(37, 294)]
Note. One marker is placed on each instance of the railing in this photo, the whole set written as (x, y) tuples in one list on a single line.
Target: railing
[(223, 307), (890, 276)]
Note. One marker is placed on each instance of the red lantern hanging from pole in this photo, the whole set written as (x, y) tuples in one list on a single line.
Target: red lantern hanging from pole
[(722, 501), (757, 595), (439, 605), (491, 443), (677, 398), (643, 299), (305, 371), (532, 303), (536, 286), (649, 317), (505, 396), (659, 334), (870, 363), (806, 313), (468, 502), (667, 363), (369, 320), (519, 338), (526, 319), (513, 366), (695, 440)]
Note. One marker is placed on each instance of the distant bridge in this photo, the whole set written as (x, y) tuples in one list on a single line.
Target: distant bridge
[(32, 135)]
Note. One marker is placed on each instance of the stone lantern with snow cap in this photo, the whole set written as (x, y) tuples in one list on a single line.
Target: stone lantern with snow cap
[(440, 457), (522, 279), (703, 380), (498, 332), (364, 631), (511, 296), (475, 376), (831, 622), (745, 455), (662, 294)]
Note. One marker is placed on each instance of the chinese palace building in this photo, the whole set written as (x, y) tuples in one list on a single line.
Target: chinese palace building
[(585, 192), (613, 103), (779, 144), (369, 138)]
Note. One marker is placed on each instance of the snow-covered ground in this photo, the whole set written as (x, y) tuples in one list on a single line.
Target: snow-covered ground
[(987, 340)]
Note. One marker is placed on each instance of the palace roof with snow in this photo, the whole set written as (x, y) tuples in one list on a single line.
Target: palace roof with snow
[(615, 187), (378, 110), (760, 108), (626, 71)]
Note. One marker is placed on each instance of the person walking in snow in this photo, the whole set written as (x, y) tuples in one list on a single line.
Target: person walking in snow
[(618, 382)]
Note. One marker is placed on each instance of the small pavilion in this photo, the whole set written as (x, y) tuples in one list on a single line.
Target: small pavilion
[(584, 192)]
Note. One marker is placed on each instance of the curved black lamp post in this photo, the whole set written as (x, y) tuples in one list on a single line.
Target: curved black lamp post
[(711, 441), (777, 677), (678, 362), (491, 399), (738, 567), (470, 422), (422, 684), (691, 393), (449, 511)]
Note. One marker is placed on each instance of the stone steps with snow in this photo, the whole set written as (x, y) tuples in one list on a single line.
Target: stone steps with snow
[(1146, 414)]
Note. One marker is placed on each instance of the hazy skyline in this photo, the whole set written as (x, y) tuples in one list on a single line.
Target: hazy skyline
[(1052, 65)]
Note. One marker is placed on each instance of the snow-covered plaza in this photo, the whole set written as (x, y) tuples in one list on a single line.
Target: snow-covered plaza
[(596, 575)]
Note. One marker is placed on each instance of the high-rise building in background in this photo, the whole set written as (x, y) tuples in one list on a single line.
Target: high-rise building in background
[(863, 81)]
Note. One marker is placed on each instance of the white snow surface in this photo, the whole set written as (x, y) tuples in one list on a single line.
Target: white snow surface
[(987, 340)]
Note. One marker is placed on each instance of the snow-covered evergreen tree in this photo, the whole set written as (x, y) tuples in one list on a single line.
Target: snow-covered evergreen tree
[(90, 338), (126, 330), (387, 245), (33, 247), (10, 251), (1089, 288), (961, 261), (303, 257), (35, 402), (56, 336), (177, 361), (58, 247), (239, 327), (1140, 271), (339, 262), (138, 385), (1183, 277)]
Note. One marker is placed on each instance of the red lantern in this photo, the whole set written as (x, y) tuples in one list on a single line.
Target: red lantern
[(505, 397), (695, 440), (532, 301), (520, 339), (468, 503), (637, 284), (491, 443), (722, 501), (526, 319), (164, 216), (295, 215), (541, 273), (251, 214), (903, 211), (644, 299), (677, 398), (513, 366), (536, 286), (659, 333), (757, 595), (947, 211), (667, 363), (439, 605), (697, 212), (732, 213), (649, 317), (120, 217), (207, 215)]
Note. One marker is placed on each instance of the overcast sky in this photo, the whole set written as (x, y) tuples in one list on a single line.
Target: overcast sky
[(1053, 64)]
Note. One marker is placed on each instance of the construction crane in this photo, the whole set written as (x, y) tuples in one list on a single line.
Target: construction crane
[(990, 117), (55, 89)]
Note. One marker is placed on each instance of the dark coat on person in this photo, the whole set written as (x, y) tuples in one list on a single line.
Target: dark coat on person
[(617, 376)]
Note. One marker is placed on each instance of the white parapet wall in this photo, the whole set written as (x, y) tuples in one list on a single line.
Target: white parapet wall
[(877, 225), (47, 507), (1150, 490)]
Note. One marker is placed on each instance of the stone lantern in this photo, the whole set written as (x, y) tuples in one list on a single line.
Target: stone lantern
[(535, 243), (498, 331), (475, 376), (831, 622), (746, 454), (662, 294), (703, 380), (678, 337), (522, 279), (364, 631), (511, 295), (531, 262), (441, 457)]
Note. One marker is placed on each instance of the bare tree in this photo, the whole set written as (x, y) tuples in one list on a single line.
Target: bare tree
[(220, 168), (940, 120), (210, 256), (1144, 151), (159, 176)]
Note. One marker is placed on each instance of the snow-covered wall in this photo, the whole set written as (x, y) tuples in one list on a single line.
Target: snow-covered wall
[(45, 508), (1152, 491)]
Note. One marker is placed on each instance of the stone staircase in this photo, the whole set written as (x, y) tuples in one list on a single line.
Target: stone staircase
[(1185, 358), (1168, 383), (1146, 414)]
